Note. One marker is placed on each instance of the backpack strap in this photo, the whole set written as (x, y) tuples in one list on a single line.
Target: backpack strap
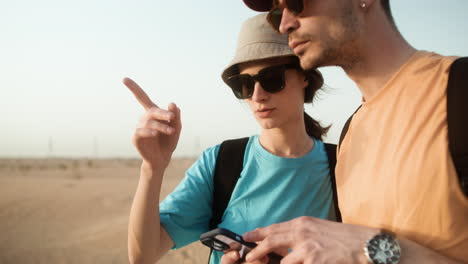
[(457, 118), (346, 127), (229, 163), (331, 153)]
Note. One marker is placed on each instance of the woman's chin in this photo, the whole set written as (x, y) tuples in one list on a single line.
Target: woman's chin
[(267, 124)]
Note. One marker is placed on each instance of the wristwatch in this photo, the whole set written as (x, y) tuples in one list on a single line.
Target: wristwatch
[(383, 248)]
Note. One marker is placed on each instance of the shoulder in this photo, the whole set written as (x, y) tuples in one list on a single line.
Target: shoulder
[(434, 60), (206, 161), (210, 153)]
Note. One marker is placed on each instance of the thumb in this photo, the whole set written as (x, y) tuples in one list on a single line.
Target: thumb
[(176, 111), (230, 257)]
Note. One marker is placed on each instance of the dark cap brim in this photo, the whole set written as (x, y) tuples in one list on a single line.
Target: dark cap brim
[(259, 5)]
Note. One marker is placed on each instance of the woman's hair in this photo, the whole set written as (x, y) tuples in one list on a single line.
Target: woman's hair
[(313, 127), (315, 82)]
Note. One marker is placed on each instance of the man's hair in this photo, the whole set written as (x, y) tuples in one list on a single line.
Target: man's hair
[(386, 7)]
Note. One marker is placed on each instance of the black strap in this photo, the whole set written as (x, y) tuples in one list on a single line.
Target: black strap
[(331, 153), (229, 163), (228, 166), (346, 127), (457, 118)]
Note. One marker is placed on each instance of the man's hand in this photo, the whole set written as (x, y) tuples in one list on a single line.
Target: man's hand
[(158, 131), (233, 257), (310, 240)]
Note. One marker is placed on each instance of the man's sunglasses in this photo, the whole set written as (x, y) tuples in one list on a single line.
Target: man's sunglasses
[(276, 12), (270, 78)]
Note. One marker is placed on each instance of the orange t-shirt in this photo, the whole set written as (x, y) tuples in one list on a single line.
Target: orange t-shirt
[(394, 167)]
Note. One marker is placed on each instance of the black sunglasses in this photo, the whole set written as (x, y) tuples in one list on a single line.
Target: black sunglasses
[(270, 78), (276, 12)]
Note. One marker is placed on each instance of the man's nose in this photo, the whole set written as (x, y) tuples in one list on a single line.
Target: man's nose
[(288, 23)]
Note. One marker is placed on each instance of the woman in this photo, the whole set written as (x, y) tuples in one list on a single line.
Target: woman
[(285, 172)]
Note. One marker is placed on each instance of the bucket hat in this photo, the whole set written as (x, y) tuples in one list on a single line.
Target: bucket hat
[(257, 40)]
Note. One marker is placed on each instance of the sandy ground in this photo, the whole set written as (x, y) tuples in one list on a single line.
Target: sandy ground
[(75, 211)]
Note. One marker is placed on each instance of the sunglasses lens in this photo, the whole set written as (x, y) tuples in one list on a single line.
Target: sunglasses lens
[(274, 18), (242, 86), (272, 79), (296, 6), (276, 13)]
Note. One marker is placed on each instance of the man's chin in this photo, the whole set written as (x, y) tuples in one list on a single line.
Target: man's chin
[(306, 54), (309, 58), (308, 63)]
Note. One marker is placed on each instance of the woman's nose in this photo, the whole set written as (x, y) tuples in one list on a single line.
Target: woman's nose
[(259, 94)]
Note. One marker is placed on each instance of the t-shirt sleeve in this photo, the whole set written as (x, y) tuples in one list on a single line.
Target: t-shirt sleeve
[(186, 212)]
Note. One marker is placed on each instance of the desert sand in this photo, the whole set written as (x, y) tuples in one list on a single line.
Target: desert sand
[(75, 210)]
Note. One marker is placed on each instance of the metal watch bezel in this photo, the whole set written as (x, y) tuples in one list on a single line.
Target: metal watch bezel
[(374, 246)]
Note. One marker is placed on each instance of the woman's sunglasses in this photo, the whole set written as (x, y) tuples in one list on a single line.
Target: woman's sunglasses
[(276, 13), (271, 79)]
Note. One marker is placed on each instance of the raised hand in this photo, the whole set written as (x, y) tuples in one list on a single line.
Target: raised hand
[(158, 130)]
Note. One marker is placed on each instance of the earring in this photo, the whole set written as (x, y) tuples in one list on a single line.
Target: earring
[(363, 4)]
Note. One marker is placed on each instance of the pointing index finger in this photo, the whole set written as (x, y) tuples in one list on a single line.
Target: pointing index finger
[(139, 93)]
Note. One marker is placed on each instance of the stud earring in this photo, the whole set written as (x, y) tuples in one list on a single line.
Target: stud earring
[(363, 4)]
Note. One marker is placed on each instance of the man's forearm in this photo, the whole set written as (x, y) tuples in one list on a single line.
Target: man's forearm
[(412, 252), (317, 240)]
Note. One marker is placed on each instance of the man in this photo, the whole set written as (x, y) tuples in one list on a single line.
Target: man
[(398, 190)]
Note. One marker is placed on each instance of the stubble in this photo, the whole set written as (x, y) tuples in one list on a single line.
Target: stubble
[(338, 45)]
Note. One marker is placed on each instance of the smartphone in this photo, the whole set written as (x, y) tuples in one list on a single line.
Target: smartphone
[(221, 239)]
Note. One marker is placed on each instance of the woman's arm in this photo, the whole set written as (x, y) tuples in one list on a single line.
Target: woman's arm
[(147, 239), (155, 138)]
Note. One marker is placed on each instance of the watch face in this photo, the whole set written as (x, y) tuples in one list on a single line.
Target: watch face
[(383, 249)]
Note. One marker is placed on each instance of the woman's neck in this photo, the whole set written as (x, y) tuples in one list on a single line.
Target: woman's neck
[(287, 142)]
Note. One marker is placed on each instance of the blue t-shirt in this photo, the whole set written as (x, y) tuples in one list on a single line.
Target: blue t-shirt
[(271, 189)]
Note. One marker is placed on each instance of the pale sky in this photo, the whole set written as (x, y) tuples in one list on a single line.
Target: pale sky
[(62, 61)]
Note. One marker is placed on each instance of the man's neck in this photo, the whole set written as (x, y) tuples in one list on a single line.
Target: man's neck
[(383, 52)]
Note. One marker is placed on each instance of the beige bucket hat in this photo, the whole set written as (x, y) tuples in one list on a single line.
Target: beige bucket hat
[(257, 40)]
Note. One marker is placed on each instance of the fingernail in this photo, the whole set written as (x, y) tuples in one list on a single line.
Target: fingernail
[(153, 133), (170, 130), (248, 257), (247, 235)]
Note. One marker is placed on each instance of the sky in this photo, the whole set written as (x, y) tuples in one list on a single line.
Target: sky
[(62, 62)]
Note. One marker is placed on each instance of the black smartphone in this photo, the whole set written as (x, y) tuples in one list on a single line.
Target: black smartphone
[(221, 239)]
